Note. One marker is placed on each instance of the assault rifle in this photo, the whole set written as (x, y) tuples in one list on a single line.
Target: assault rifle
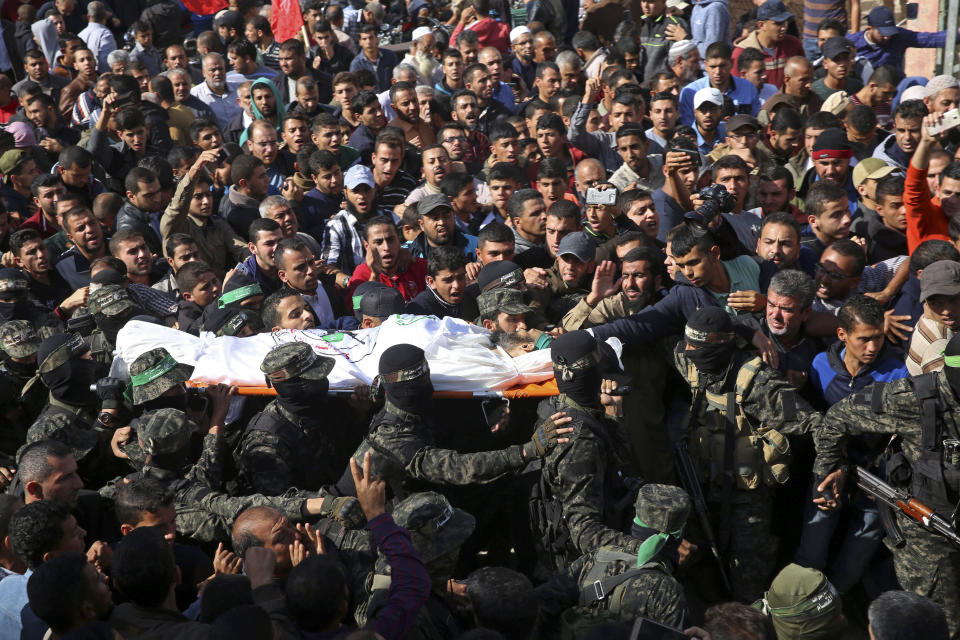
[(899, 499), (690, 480)]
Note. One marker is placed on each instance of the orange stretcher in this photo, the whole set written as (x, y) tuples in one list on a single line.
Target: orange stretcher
[(534, 390)]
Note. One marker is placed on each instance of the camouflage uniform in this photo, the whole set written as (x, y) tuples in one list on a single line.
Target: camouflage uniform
[(282, 449), (927, 564), (613, 583), (204, 512), (19, 339), (802, 604), (643, 408), (582, 491), (766, 404), (111, 302), (559, 298), (437, 530), (46, 323)]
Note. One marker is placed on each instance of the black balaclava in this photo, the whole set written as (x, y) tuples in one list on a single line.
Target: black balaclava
[(303, 396), (110, 325), (22, 369), (14, 283), (172, 401), (70, 381), (710, 332), (951, 361), (577, 360), (406, 379)]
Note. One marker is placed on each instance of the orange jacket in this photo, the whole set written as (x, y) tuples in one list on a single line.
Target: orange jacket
[(925, 219)]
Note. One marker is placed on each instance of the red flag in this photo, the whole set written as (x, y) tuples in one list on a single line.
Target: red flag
[(205, 7), (285, 19)]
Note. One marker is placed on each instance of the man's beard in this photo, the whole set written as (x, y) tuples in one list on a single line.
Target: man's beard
[(426, 65), (217, 85)]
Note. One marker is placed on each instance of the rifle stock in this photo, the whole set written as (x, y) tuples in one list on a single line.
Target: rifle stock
[(910, 506)]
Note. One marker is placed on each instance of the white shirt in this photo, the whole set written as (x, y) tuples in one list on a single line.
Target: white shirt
[(321, 306)]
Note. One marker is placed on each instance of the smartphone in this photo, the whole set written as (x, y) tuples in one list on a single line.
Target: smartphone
[(494, 410), (950, 120), (646, 629), (607, 197)]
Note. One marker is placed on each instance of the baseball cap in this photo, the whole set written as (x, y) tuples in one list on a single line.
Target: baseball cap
[(835, 46), (357, 175), (707, 94), (361, 291), (871, 169), (11, 160), (942, 278), (382, 303), (518, 32), (230, 19), (742, 120), (376, 9), (578, 244), (881, 19), (773, 10), (836, 103), (432, 202)]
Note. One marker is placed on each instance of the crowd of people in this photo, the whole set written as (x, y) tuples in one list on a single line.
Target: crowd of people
[(764, 213)]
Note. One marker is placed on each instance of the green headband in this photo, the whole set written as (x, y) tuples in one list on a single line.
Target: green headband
[(652, 545), (543, 342), (241, 293), (951, 361), (154, 372), (356, 301)]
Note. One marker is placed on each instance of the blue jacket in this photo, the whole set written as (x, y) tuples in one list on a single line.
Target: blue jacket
[(742, 92), (250, 268), (666, 317), (892, 51), (709, 23), (383, 70), (908, 302), (831, 378)]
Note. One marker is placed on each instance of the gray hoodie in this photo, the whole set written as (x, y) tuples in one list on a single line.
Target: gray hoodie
[(709, 23)]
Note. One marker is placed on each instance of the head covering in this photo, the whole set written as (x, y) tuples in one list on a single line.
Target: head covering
[(230, 19), (238, 288), (802, 603), (832, 143), (680, 49), (431, 202), (837, 103), (64, 372), (155, 372), (742, 120), (707, 94), (518, 32), (419, 32), (577, 360), (405, 376), (164, 432), (935, 86), (357, 175), (710, 332), (435, 526), (295, 360), (504, 300), (871, 169), (916, 92), (281, 108), (23, 136), (942, 278), (881, 19), (773, 10), (835, 47), (11, 160), (500, 273), (579, 245), (19, 339), (13, 281), (382, 303), (45, 33), (223, 322), (110, 300), (664, 510), (362, 290)]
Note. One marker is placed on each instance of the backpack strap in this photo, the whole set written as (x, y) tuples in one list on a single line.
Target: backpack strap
[(598, 590), (925, 386)]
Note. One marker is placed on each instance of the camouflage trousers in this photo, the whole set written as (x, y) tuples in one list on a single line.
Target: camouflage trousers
[(747, 546), (929, 565)]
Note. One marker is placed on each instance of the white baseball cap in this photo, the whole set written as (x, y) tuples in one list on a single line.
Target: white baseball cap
[(518, 32), (356, 175), (707, 94)]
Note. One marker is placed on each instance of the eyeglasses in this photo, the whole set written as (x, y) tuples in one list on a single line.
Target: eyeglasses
[(833, 275)]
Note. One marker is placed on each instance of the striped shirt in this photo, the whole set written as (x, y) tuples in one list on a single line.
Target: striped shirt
[(882, 111), (397, 191), (342, 243), (816, 11)]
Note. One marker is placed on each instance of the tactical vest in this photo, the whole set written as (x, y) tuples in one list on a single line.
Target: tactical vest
[(546, 511), (727, 443), (391, 464), (932, 480), (601, 595), (283, 424)]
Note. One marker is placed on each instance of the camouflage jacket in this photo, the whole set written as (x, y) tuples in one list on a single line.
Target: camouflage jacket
[(582, 477), (653, 593), (403, 450), (280, 450), (896, 412)]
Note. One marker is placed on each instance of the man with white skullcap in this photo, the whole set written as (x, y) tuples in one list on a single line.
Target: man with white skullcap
[(941, 94), (684, 60), (521, 42)]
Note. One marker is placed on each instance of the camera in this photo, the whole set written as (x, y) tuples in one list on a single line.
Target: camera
[(607, 197), (716, 200)]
